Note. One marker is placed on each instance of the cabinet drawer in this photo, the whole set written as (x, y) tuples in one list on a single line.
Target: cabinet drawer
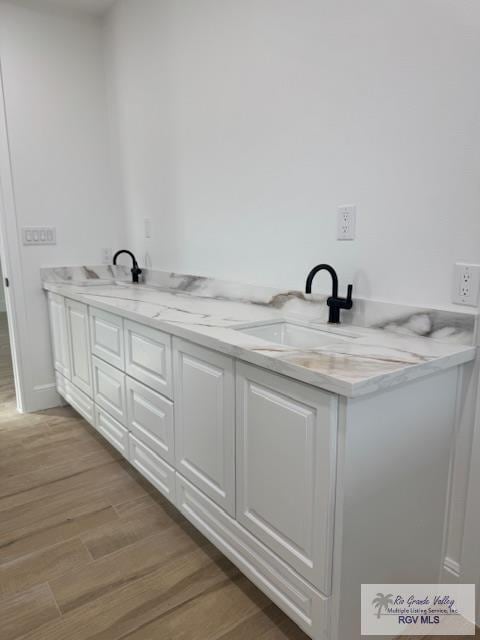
[(152, 467), (112, 431), (294, 595), (106, 333), (80, 402), (148, 357), (286, 453), (109, 389), (150, 418)]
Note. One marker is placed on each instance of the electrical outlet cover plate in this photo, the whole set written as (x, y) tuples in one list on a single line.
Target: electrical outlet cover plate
[(466, 285), (107, 256), (346, 222)]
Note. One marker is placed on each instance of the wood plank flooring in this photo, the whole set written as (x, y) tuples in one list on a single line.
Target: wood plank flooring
[(88, 550)]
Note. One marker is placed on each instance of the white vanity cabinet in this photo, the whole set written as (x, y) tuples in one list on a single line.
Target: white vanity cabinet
[(286, 449), (59, 334), (291, 482), (79, 345), (205, 421)]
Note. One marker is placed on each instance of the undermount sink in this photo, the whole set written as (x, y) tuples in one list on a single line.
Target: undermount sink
[(293, 335)]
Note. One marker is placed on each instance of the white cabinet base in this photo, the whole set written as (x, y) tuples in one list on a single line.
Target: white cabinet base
[(296, 597), (112, 431), (75, 398), (152, 467)]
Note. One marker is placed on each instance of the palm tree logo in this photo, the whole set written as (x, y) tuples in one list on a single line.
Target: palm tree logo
[(382, 602)]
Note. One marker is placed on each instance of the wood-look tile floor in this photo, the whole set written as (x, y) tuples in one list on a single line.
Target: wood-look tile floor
[(88, 550)]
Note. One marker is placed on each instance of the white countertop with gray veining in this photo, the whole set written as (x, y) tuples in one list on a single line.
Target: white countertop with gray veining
[(359, 359)]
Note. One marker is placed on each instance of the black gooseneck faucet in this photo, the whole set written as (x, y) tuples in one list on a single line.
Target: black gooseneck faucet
[(136, 271), (334, 302)]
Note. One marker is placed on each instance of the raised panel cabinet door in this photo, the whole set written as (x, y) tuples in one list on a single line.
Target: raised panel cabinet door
[(150, 418), (205, 421), (106, 332), (79, 342), (109, 389), (59, 334), (286, 454), (148, 356)]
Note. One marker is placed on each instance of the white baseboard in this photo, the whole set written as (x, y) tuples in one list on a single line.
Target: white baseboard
[(43, 397)]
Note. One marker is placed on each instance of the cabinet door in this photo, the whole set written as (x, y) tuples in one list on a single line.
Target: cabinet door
[(148, 356), (107, 337), (205, 421), (79, 343), (150, 418), (58, 330), (109, 389), (286, 452)]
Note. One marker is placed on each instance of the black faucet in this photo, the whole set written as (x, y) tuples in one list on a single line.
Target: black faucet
[(136, 271), (334, 302)]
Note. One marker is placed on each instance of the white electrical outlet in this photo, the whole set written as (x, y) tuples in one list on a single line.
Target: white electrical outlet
[(346, 222), (466, 284), (107, 256), (148, 228)]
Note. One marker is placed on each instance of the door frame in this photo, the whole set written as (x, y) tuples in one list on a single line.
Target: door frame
[(11, 262)]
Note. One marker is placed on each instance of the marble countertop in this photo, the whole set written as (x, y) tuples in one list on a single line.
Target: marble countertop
[(363, 360)]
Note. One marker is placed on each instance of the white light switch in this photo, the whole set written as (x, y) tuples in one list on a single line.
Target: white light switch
[(39, 235)]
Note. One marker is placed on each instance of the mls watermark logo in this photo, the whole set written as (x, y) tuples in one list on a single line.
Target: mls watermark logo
[(418, 609)]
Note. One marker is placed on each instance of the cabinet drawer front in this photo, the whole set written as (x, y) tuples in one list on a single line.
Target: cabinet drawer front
[(286, 452), (80, 402), (112, 431), (106, 331), (205, 421), (59, 334), (150, 418), (281, 583), (109, 389), (148, 356), (152, 467), (79, 341)]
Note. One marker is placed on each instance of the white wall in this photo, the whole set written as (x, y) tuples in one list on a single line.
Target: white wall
[(244, 124), (2, 293), (56, 108)]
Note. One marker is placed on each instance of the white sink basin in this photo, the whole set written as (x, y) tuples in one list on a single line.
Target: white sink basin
[(294, 335)]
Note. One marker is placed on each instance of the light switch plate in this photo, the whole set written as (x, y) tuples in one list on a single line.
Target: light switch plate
[(346, 222), (466, 284), (39, 235)]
